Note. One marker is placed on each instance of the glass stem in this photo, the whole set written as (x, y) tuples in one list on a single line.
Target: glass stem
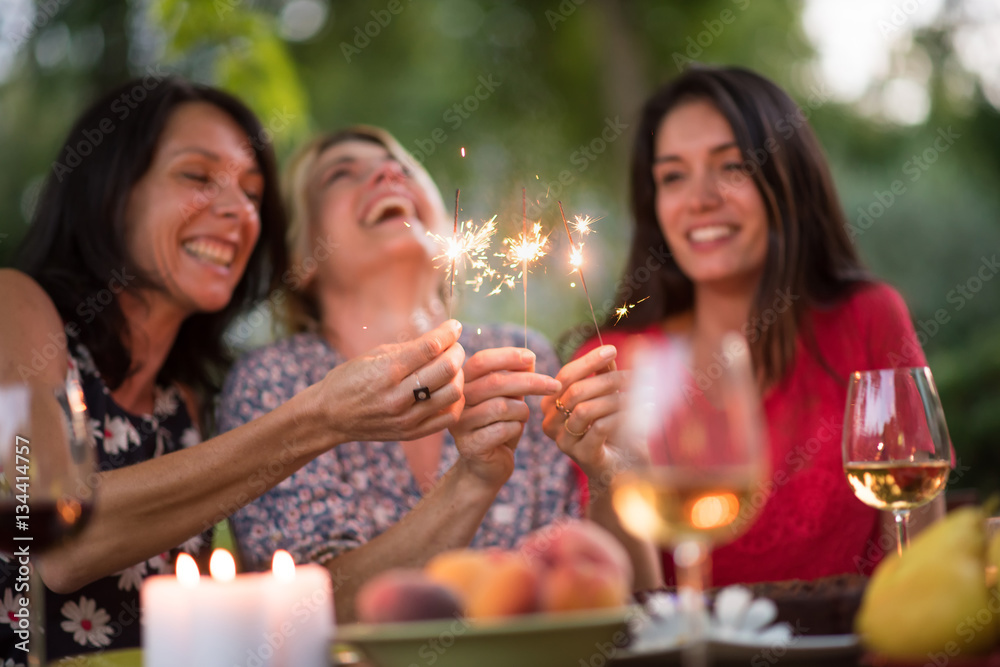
[(691, 564), (902, 529)]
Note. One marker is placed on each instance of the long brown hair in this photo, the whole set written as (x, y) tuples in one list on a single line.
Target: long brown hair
[(809, 254)]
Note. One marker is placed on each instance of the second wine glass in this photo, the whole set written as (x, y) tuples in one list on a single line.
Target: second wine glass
[(897, 453)]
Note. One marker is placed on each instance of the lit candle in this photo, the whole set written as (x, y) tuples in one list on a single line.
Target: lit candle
[(279, 619), (301, 612), (166, 615)]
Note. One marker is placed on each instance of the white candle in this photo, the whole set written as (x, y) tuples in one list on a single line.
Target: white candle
[(306, 610), (166, 618)]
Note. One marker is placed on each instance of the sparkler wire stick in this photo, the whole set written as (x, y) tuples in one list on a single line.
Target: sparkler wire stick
[(524, 277), (454, 236), (579, 269)]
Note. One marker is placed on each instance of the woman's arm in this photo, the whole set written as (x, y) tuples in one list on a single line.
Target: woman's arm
[(496, 380), (148, 508), (591, 395)]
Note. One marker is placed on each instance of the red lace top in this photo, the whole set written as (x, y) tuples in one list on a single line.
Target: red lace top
[(811, 525)]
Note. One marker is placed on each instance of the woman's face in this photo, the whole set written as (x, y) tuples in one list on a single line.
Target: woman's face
[(711, 213), (192, 219), (369, 209)]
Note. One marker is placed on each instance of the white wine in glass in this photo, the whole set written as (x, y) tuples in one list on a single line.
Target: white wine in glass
[(698, 453), (897, 453)]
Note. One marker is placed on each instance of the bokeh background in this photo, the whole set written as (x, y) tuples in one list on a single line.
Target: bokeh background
[(899, 91)]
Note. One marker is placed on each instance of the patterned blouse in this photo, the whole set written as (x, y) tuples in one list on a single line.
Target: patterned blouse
[(104, 614), (356, 491)]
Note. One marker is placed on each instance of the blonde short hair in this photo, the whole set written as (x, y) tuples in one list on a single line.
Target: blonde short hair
[(302, 313)]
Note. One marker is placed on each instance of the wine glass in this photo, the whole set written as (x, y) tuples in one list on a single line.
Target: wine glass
[(46, 457), (697, 441), (897, 453)]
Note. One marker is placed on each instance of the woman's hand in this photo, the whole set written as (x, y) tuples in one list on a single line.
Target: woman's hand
[(371, 397), (585, 416), (487, 433)]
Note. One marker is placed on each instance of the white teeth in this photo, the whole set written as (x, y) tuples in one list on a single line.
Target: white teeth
[(386, 205), (711, 233), (216, 252)]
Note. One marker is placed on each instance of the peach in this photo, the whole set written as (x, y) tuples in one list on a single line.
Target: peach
[(574, 586), (510, 588), (582, 565), (405, 595), (462, 570)]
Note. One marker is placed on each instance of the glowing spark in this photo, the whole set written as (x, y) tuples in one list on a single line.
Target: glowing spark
[(576, 257), (622, 311), (526, 248), (469, 248), (581, 224), (463, 151)]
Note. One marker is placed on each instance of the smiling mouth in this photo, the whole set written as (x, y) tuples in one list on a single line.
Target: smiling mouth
[(388, 208), (219, 253), (710, 233)]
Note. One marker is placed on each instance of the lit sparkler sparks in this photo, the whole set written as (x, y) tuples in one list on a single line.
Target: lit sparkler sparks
[(522, 251), (468, 246), (622, 311), (582, 225)]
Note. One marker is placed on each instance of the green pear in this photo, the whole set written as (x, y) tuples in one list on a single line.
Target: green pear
[(934, 599)]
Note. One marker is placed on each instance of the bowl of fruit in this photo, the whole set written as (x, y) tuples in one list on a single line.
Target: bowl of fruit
[(559, 599)]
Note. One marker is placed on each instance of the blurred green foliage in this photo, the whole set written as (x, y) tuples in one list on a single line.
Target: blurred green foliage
[(523, 86)]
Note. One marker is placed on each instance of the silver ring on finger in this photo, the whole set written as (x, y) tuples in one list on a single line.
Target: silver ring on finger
[(422, 392), (563, 409)]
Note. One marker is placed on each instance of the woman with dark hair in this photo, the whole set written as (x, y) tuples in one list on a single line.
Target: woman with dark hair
[(142, 250), (367, 507), (738, 228)]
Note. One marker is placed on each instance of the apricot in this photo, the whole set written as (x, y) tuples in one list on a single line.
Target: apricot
[(405, 595), (510, 588), (571, 587)]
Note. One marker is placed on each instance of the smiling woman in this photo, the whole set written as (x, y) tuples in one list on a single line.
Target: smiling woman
[(138, 258), (757, 244)]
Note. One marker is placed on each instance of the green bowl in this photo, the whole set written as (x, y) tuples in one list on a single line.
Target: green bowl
[(535, 640)]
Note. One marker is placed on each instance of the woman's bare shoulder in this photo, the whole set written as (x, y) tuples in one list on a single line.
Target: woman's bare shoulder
[(33, 339)]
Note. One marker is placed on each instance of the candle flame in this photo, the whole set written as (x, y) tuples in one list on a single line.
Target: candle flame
[(282, 566), (222, 566), (187, 571)]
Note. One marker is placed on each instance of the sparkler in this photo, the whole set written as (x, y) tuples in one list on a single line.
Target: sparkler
[(576, 259), (622, 311), (468, 245), (523, 250)]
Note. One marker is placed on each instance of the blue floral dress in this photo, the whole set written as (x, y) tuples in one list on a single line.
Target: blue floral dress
[(104, 614), (358, 490)]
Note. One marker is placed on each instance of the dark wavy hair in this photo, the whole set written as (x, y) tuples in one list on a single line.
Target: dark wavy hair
[(76, 242), (809, 253)]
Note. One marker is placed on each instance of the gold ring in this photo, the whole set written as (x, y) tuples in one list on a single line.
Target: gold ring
[(562, 408), (574, 433)]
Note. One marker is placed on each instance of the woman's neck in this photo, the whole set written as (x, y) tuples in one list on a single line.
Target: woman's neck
[(152, 330), (719, 311), (392, 307)]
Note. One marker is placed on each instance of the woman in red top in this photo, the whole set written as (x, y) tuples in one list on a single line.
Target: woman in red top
[(738, 227)]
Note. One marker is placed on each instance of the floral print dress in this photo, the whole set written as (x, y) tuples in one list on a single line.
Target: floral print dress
[(358, 490), (104, 614)]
